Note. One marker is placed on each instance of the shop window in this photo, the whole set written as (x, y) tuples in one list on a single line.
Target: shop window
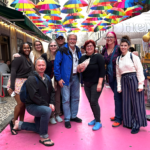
[(19, 42)]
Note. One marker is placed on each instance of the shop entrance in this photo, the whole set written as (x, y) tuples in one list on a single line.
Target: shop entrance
[(4, 48)]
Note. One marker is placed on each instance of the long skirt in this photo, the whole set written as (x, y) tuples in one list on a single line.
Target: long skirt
[(134, 114)]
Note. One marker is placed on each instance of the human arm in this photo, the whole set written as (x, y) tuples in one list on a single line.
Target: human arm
[(16, 63), (52, 98), (33, 90), (15, 55), (57, 65), (101, 64), (118, 75), (139, 72)]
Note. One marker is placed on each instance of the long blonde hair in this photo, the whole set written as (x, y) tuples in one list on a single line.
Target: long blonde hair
[(49, 54), (36, 53)]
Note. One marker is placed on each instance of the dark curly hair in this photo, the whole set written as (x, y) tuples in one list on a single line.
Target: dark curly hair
[(21, 48)]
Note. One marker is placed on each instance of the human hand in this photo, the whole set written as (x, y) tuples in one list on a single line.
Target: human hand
[(99, 87), (52, 107), (61, 83), (16, 55), (140, 90), (10, 91), (119, 91), (82, 67)]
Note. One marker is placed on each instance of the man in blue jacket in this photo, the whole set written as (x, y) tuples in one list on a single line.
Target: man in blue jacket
[(65, 70)]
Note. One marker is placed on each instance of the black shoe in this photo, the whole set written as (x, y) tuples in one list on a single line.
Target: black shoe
[(134, 131), (76, 120), (67, 124)]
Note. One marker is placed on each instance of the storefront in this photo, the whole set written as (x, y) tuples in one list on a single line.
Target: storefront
[(16, 28)]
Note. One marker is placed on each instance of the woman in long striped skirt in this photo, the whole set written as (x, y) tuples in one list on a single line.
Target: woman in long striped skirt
[(130, 81)]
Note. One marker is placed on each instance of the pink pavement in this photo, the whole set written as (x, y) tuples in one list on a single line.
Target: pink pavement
[(81, 136)]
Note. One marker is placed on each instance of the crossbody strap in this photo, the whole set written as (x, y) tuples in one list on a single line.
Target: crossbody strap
[(113, 54)]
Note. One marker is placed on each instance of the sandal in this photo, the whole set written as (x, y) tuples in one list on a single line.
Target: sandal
[(43, 142), (11, 128)]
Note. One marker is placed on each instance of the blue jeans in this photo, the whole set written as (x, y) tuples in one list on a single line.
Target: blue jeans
[(42, 115), (70, 98), (118, 101)]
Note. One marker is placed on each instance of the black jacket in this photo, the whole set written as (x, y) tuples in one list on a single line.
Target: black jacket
[(41, 92)]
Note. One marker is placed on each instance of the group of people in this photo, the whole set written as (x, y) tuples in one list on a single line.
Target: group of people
[(65, 62)]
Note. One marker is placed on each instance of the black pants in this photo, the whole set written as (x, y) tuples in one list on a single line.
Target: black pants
[(93, 96)]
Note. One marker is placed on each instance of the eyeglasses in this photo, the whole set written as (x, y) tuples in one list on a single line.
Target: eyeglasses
[(72, 39), (111, 37), (53, 45), (38, 45), (89, 46), (60, 38)]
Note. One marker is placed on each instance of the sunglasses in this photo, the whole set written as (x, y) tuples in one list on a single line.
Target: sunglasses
[(53, 45)]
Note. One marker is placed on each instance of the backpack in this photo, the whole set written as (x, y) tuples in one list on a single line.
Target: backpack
[(144, 72), (23, 92)]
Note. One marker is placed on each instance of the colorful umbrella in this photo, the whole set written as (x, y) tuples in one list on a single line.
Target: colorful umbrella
[(93, 19), (60, 30), (70, 10), (72, 25), (111, 21), (122, 19), (22, 4), (53, 11), (75, 3), (47, 5), (52, 18), (133, 9), (74, 16), (101, 7), (33, 16), (68, 21), (55, 21), (38, 21), (97, 13), (124, 4), (27, 11), (104, 2), (101, 25), (116, 11)]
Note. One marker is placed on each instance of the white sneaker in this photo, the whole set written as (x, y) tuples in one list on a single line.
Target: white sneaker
[(59, 119), (52, 121)]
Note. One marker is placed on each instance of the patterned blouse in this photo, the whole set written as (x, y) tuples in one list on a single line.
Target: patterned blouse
[(107, 58)]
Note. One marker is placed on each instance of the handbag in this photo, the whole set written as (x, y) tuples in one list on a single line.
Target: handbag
[(109, 69)]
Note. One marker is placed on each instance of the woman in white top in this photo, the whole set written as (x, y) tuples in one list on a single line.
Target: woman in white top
[(130, 81), (37, 51)]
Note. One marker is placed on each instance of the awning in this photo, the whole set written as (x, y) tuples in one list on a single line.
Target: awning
[(22, 21)]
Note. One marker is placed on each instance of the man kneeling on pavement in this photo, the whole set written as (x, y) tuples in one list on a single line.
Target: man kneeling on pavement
[(40, 103)]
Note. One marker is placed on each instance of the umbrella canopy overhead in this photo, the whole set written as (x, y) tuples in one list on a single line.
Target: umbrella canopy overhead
[(47, 4), (101, 7), (48, 12), (97, 13), (75, 3), (124, 4), (71, 10), (116, 11), (22, 4)]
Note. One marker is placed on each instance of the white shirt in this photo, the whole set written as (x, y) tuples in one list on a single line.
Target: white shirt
[(126, 65), (75, 60)]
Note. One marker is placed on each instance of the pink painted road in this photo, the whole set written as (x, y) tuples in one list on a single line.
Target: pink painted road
[(81, 136)]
